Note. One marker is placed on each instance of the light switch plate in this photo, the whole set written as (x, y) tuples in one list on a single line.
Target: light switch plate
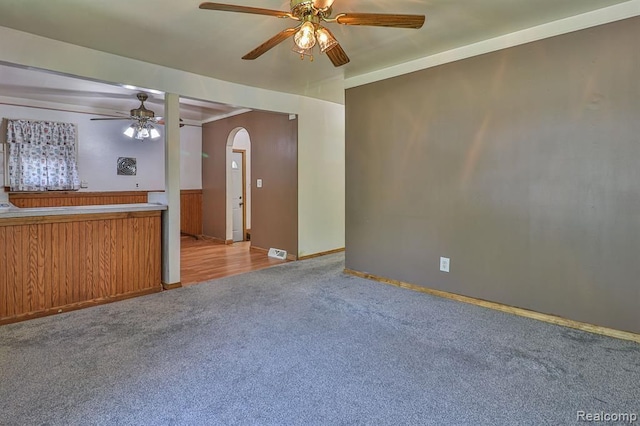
[(259, 183)]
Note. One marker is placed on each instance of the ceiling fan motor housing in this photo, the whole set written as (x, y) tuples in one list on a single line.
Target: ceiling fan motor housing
[(302, 9), (141, 111)]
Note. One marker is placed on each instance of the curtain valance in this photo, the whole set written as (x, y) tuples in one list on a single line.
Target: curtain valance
[(42, 156), (41, 132)]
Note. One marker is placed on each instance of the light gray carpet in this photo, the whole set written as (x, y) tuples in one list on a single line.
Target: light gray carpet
[(301, 343)]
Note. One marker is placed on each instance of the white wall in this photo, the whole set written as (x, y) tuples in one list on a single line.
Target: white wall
[(191, 157), (321, 177), (320, 124), (101, 143)]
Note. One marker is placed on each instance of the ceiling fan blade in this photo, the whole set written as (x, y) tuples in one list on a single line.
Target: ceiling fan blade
[(271, 43), (337, 55), (244, 9), (381, 20), (123, 118), (161, 122)]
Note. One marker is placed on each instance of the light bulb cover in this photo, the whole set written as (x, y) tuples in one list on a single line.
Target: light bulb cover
[(154, 133), (325, 39), (130, 130), (305, 38)]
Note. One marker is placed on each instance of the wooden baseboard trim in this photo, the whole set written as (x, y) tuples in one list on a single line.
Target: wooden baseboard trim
[(210, 238), (324, 253), (171, 286), (187, 234), (553, 319), (79, 305), (207, 237)]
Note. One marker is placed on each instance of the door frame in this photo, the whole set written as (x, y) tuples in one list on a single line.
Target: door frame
[(243, 152), (227, 188)]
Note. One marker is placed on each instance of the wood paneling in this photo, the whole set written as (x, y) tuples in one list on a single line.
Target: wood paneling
[(58, 264), (69, 198), (191, 211)]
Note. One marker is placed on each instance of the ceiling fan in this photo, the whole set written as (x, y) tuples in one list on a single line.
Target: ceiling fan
[(143, 118), (311, 14)]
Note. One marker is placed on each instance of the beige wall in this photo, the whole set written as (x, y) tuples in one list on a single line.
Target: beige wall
[(274, 207), (520, 165)]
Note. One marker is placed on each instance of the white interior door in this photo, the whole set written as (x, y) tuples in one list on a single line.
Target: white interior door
[(237, 202)]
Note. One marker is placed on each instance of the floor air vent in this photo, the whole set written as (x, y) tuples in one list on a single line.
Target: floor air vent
[(277, 253)]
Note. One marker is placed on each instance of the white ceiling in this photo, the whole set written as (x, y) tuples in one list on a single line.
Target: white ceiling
[(20, 84), (177, 34)]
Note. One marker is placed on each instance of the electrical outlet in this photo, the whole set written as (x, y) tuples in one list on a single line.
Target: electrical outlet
[(444, 264), (259, 183)]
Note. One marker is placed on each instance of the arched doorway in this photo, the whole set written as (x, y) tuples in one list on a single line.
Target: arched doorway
[(238, 188)]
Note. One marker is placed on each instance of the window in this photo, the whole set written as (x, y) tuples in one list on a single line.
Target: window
[(41, 156)]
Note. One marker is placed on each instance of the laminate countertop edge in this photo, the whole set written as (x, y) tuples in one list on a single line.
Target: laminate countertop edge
[(15, 212)]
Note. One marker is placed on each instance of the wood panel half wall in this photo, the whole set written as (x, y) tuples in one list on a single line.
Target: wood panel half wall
[(51, 264), (190, 203), (191, 211)]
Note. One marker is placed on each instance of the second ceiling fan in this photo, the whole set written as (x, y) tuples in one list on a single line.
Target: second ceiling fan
[(143, 120), (310, 32)]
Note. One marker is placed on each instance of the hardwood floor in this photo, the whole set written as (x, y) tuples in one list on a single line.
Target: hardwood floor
[(203, 260)]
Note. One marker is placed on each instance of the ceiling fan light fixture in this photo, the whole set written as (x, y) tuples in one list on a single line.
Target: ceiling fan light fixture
[(305, 38), (154, 133), (303, 52), (325, 39), (142, 133), (130, 131)]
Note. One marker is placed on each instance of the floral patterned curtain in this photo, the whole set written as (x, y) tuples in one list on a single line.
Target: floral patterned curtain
[(42, 156)]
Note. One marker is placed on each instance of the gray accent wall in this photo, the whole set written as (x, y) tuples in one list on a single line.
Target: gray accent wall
[(522, 166)]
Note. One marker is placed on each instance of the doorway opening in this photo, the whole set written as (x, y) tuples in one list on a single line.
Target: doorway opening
[(238, 187)]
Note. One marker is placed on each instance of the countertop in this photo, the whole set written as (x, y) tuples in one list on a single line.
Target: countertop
[(13, 212)]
